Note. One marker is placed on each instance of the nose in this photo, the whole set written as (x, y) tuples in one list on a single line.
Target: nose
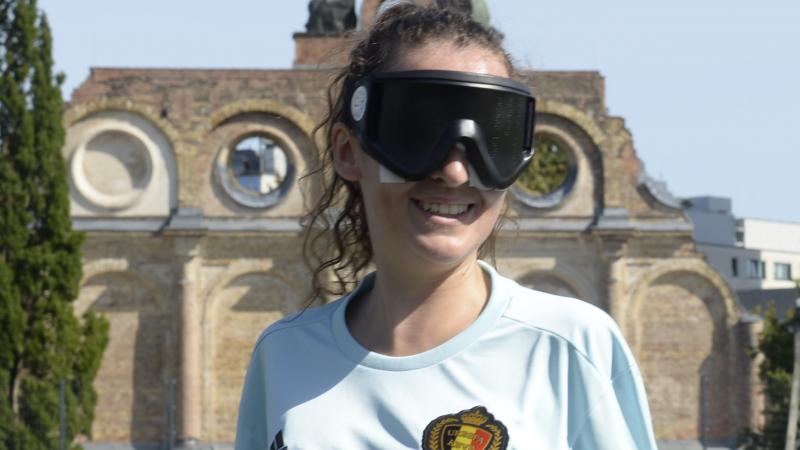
[(455, 169)]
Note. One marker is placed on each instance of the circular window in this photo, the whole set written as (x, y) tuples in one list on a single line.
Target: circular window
[(116, 163), (549, 177), (113, 166), (256, 171)]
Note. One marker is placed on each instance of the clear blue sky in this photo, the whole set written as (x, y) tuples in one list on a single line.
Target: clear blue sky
[(710, 89)]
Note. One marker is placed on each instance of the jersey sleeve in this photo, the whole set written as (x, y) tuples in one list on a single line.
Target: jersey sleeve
[(620, 420), (251, 427)]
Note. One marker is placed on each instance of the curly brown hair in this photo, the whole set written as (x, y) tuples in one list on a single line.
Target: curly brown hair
[(337, 241)]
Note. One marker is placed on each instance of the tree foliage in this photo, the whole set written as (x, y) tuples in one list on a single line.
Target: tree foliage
[(549, 168), (41, 340), (776, 344)]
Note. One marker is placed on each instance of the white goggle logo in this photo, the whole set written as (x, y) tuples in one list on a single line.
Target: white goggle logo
[(358, 103)]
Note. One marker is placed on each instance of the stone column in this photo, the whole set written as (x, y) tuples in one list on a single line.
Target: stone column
[(614, 258), (752, 326), (190, 389)]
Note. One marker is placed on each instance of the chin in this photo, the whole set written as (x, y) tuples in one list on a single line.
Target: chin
[(444, 251)]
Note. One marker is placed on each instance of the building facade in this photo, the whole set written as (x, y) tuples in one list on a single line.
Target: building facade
[(187, 183), (752, 254), (760, 259)]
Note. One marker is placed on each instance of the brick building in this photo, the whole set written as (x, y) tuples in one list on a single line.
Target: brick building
[(187, 185)]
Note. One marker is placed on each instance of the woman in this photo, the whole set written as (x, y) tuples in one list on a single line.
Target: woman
[(434, 349)]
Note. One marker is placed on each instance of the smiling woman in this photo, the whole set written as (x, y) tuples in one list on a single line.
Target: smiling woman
[(434, 349)]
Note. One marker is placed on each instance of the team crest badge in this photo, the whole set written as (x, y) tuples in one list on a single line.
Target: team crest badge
[(471, 429)]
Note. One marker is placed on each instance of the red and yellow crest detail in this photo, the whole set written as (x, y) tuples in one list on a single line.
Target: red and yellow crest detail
[(471, 429)]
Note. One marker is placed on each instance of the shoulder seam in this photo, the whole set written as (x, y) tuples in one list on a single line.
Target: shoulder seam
[(288, 326), (569, 343)]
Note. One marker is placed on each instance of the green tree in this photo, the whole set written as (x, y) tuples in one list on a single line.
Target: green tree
[(776, 344), (549, 168), (41, 339)]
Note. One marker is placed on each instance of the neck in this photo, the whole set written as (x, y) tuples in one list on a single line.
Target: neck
[(400, 317)]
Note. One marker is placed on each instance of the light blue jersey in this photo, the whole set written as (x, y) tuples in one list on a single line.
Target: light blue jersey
[(534, 371)]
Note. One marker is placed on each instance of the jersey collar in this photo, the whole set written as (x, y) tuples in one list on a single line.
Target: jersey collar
[(499, 298)]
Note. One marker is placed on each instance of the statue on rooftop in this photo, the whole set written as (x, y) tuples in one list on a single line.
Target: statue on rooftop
[(331, 16), (477, 9)]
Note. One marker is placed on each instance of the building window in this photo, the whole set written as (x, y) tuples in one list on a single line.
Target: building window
[(258, 165), (756, 269), (256, 171), (783, 271), (735, 267), (549, 178)]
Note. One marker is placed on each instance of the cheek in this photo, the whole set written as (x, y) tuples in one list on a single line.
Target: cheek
[(493, 202), (383, 202)]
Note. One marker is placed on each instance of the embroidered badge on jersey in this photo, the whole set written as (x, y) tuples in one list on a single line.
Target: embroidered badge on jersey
[(471, 429)]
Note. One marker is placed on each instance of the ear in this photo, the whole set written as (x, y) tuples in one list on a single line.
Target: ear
[(344, 147)]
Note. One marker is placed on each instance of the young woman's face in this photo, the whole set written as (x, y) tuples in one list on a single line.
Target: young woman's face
[(440, 220)]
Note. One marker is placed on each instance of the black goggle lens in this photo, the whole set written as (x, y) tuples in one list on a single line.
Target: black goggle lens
[(410, 121)]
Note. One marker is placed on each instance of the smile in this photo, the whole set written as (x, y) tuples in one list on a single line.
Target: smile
[(444, 209)]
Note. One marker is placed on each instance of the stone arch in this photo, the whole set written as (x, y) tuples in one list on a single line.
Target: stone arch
[(241, 267), (97, 266), (79, 112), (551, 283), (143, 129), (681, 323), (265, 106), (573, 114), (243, 302), (131, 380), (632, 304), (621, 168), (580, 137), (555, 274)]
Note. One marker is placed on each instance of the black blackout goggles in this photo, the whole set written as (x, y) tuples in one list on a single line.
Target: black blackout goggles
[(410, 121)]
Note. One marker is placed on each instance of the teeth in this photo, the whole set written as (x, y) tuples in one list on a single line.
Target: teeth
[(449, 209)]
